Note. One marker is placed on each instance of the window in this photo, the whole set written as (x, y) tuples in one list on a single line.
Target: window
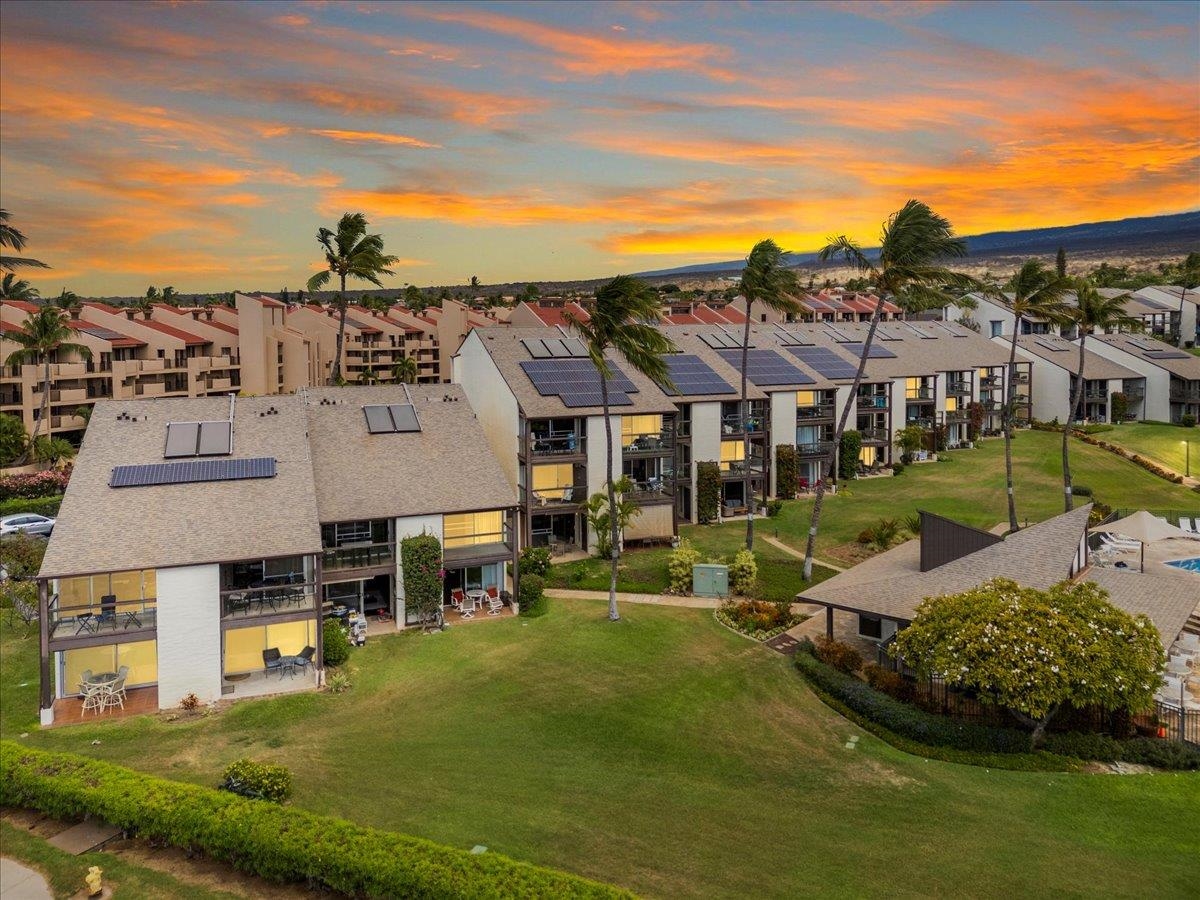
[(731, 452), (951, 404), (244, 646), (871, 627), (551, 482), (140, 656), (806, 398), (469, 529), (997, 327), (374, 531), (633, 427), (132, 590)]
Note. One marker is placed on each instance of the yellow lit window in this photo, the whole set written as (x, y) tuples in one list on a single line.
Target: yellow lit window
[(142, 659), (634, 426), (550, 481), (731, 452), (467, 529), (868, 455), (806, 398), (951, 404), (140, 656), (984, 373)]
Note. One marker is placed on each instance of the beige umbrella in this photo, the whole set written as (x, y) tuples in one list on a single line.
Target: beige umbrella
[(1144, 528)]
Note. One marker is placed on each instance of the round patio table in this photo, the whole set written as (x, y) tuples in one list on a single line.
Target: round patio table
[(102, 678)]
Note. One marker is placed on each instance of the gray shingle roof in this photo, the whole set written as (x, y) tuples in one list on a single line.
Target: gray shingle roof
[(1094, 365), (103, 529), (445, 467), (1167, 600), (1185, 366)]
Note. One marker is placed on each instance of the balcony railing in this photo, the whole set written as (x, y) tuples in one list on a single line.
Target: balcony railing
[(1095, 396), (650, 443), (816, 448), (563, 443), (1185, 395), (919, 394), (990, 381), (920, 421), (874, 435), (1020, 378), (649, 491), (873, 401), (739, 466), (114, 617), (958, 388), (358, 556), (733, 424), (268, 600), (566, 495), (815, 412), (957, 415)]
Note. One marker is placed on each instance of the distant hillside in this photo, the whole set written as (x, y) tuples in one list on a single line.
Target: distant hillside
[(1172, 232)]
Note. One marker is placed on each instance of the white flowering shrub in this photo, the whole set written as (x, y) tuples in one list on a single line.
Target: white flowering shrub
[(1033, 651)]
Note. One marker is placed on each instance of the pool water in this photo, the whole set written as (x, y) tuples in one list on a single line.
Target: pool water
[(1192, 565)]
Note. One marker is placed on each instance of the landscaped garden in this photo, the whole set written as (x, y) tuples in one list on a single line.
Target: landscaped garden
[(663, 753), (1164, 444)]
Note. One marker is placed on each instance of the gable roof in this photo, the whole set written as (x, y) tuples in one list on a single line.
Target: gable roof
[(1066, 356)]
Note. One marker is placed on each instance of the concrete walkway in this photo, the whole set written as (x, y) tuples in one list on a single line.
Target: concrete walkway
[(649, 599), (19, 882), (792, 551)]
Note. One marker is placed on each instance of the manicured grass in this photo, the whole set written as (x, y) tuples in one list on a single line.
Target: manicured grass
[(665, 754), (970, 488), (645, 571), (1161, 443), (65, 872)]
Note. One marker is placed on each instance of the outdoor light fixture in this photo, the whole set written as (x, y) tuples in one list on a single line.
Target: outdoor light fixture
[(1187, 458)]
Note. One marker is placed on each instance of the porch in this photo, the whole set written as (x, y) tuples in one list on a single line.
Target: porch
[(138, 702), (263, 683)]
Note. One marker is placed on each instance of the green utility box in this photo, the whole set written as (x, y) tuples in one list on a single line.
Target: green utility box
[(710, 580)]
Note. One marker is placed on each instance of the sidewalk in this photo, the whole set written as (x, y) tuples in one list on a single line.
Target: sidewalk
[(649, 599), (792, 551), (19, 882)]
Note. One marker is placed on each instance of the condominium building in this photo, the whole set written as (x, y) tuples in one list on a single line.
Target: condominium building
[(196, 534), (1172, 376), (1056, 367)]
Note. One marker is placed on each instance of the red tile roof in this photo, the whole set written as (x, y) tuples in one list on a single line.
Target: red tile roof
[(266, 301), (177, 333), (104, 307), (683, 319), (733, 315), (186, 314), (710, 316), (23, 305)]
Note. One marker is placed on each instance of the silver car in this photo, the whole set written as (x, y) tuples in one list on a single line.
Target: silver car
[(28, 523)]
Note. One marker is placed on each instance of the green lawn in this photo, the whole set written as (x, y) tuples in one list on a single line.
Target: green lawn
[(1162, 443), (662, 753), (645, 571)]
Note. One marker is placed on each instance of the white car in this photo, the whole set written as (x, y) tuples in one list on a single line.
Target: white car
[(28, 523)]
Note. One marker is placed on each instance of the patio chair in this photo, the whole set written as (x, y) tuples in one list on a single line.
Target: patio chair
[(93, 699), (108, 611), (113, 693), (456, 598), (305, 657), (271, 660), (119, 684), (467, 608), (493, 593), (495, 606)]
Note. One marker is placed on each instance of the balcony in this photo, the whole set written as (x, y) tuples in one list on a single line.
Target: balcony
[(815, 449), (1094, 396), (358, 556), (957, 415), (68, 395), (958, 388), (262, 601), (656, 443), (647, 492), (919, 395), (872, 401), (566, 495), (817, 413), (733, 424), (991, 381), (1181, 394), (738, 468), (1020, 378), (114, 618), (874, 436), (925, 422), (560, 443)]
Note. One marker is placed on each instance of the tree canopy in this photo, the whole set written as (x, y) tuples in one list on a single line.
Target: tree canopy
[(1032, 651)]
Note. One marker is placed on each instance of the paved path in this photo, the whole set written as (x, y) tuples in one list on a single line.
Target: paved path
[(650, 599), (792, 551), (19, 882)]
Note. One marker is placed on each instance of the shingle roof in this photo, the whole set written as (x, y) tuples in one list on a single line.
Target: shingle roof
[(103, 529), (1067, 357), (1183, 364), (447, 466), (1166, 600)]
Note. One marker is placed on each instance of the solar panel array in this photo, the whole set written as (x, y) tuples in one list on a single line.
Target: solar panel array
[(577, 383), (105, 334), (198, 470), (554, 348), (1152, 304), (198, 439), (1165, 354), (395, 418), (720, 340), (824, 361), (877, 352), (693, 377), (766, 367), (1050, 345)]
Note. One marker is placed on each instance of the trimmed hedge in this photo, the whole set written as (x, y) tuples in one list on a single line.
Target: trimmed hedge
[(43, 506), (259, 781), (257, 837), (1146, 751)]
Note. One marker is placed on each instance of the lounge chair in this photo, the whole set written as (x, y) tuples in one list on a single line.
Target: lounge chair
[(467, 608), (272, 661), (1119, 543)]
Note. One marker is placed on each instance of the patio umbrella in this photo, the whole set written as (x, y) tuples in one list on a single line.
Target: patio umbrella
[(1144, 528)]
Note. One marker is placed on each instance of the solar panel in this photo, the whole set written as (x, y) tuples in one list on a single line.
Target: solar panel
[(379, 420), (182, 438), (719, 340), (197, 470), (106, 334), (693, 377), (1152, 304), (877, 352), (824, 361), (838, 335), (198, 439), (575, 347), (1049, 345), (536, 349), (556, 348), (397, 417), (577, 383), (405, 417), (216, 439), (1165, 354), (766, 367)]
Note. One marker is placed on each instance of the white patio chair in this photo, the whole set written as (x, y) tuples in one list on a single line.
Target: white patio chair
[(495, 606), (111, 695), (1118, 543), (93, 699), (467, 609)]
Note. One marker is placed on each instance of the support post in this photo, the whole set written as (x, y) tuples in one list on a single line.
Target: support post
[(829, 622), (319, 603), (46, 687)]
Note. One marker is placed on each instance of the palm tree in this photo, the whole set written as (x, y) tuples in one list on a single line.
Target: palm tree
[(766, 280), (14, 288), (44, 334), (145, 305), (1037, 292), (170, 295), (912, 242), (349, 252), (69, 302), (52, 450), (14, 239), (405, 370), (623, 320), (368, 376), (474, 282), (1092, 312)]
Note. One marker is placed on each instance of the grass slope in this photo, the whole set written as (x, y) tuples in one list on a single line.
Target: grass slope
[(1162, 443), (662, 753)]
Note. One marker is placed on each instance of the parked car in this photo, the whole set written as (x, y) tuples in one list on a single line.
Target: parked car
[(28, 523)]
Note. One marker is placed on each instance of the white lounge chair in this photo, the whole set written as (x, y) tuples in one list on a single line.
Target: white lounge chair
[(1119, 543)]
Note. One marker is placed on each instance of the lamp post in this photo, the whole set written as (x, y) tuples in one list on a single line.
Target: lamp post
[(1187, 458)]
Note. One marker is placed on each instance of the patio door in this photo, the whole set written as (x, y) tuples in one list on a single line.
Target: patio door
[(140, 656)]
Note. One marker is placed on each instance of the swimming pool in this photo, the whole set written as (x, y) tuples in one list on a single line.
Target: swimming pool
[(1192, 565)]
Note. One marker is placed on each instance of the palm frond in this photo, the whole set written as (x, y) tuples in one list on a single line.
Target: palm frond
[(767, 280), (841, 247)]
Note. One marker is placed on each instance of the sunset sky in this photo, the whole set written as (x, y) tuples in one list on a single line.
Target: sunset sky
[(201, 145)]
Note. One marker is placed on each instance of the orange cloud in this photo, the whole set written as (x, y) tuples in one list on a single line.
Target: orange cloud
[(372, 137)]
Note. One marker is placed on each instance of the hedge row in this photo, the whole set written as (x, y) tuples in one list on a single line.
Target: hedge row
[(869, 706), (1149, 465), (43, 506), (283, 845), (34, 484)]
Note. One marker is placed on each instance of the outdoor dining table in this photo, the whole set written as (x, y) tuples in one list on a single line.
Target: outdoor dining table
[(287, 665), (100, 679)]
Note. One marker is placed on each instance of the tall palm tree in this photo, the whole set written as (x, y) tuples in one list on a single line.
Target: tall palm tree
[(912, 242), (44, 334), (1037, 292), (349, 253), (405, 370), (12, 238), (14, 288), (1092, 312), (623, 320), (69, 302), (765, 280), (170, 295)]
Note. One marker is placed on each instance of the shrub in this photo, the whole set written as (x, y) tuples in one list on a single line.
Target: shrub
[(1120, 406), (338, 682), (531, 597), (912, 523), (335, 644), (1081, 490), (848, 452), (330, 854), (679, 566), (881, 534), (891, 683), (897, 468), (21, 554), (838, 654), (774, 507), (708, 491), (787, 471), (43, 506), (190, 703), (1187, 420), (35, 484), (421, 565), (258, 781), (756, 618), (1146, 751), (535, 561), (743, 572)]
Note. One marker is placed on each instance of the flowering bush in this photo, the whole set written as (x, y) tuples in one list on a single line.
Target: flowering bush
[(679, 566), (34, 484), (743, 572), (421, 562), (757, 618)]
